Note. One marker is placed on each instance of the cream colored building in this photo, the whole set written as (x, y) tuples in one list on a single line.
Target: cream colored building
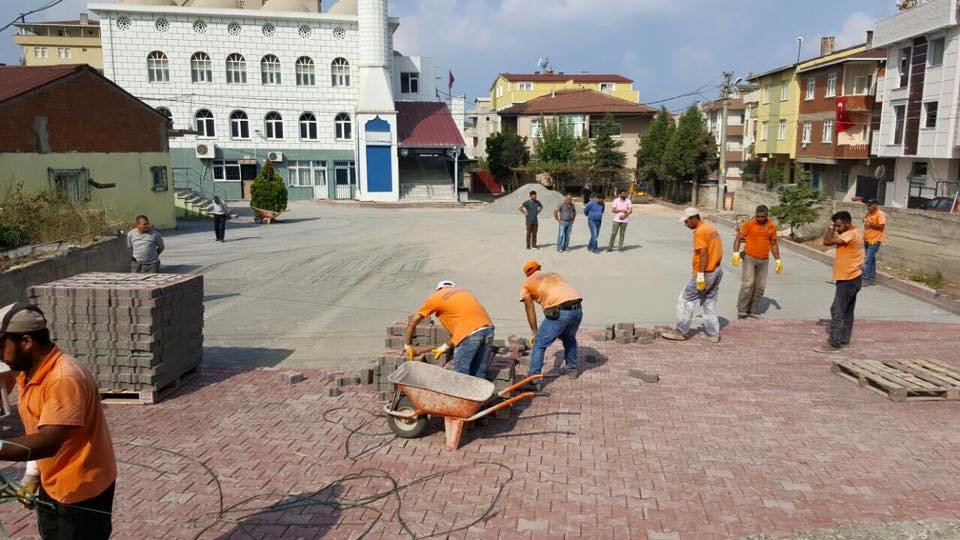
[(511, 89), (58, 43)]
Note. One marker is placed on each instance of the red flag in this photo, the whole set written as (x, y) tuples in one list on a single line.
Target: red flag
[(843, 122), (450, 81)]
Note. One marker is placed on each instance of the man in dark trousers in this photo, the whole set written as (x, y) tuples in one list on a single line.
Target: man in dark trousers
[(531, 209), (847, 272)]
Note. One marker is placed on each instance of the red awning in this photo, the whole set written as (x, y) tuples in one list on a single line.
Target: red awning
[(427, 124)]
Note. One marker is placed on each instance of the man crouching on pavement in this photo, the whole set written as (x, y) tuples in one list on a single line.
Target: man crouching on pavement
[(561, 317)]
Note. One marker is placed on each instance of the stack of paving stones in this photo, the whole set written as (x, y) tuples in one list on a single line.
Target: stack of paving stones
[(627, 332), (427, 334), (134, 332)]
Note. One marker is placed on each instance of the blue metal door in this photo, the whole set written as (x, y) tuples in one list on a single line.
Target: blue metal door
[(379, 169)]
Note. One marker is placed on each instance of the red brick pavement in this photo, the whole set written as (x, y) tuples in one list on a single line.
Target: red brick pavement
[(752, 435)]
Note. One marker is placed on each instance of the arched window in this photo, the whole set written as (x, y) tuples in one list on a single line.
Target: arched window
[(158, 69), (239, 125), (305, 72), (308, 126), (201, 69), (274, 124), (270, 69), (340, 70), (344, 128), (166, 112), (236, 69), (204, 122)]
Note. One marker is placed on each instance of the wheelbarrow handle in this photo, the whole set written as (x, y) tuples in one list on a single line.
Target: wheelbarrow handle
[(501, 405), (520, 384)]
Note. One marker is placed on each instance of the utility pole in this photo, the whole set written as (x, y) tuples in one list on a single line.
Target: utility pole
[(725, 92)]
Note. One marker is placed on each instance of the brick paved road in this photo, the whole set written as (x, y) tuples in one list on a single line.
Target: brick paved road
[(752, 435)]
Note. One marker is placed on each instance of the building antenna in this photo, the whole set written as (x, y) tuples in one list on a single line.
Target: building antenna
[(799, 47)]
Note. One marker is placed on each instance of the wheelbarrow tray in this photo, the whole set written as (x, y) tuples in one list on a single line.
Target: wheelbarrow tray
[(441, 392)]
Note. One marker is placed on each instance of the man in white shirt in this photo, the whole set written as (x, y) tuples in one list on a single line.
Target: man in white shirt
[(621, 207)]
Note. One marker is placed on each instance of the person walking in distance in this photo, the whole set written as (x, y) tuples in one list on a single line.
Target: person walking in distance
[(562, 316), (565, 214), (759, 236), (703, 286), (531, 209), (218, 207), (621, 207), (594, 212), (874, 234), (847, 274), (146, 245)]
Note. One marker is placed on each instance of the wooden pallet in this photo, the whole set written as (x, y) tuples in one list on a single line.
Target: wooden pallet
[(146, 397), (904, 380)]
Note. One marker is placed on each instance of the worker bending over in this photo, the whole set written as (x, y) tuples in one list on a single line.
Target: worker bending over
[(562, 315)]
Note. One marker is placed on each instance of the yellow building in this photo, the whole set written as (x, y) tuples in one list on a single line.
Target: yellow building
[(57, 43), (511, 89)]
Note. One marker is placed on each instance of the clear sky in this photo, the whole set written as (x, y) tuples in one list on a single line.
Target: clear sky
[(668, 47)]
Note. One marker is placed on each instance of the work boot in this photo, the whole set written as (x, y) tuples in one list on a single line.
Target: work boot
[(709, 338), (827, 348), (573, 373), (673, 335)]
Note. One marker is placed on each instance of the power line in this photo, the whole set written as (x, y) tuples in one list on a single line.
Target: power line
[(31, 12)]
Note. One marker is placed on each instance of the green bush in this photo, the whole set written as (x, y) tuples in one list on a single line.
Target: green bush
[(13, 236), (269, 192)]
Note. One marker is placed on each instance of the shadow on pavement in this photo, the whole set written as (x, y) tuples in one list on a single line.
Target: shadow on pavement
[(304, 515), (244, 357)]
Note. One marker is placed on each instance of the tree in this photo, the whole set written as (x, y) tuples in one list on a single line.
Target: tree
[(692, 152), (652, 145), (799, 206), (505, 152), (606, 149), (269, 192), (557, 143)]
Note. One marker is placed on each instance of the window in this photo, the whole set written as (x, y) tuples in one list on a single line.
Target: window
[(827, 137), (159, 175), (576, 123), (782, 134), (899, 111), (36, 52), (784, 91), (239, 125), (409, 83), (807, 132), (607, 88), (305, 72), (158, 69), (844, 185), (930, 114), (166, 112), (811, 88), (499, 90), (340, 72), (764, 130), (861, 85), (935, 51), (832, 85), (904, 67), (307, 173), (226, 171), (617, 128), (204, 123), (71, 183), (236, 69), (270, 69), (525, 86), (274, 124), (308, 127), (343, 127), (536, 128), (64, 53), (765, 92), (201, 69)]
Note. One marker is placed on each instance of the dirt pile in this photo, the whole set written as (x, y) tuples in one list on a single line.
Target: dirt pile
[(508, 204)]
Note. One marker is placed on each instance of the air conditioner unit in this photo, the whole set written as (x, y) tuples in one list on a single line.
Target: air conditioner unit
[(206, 150), (275, 156)]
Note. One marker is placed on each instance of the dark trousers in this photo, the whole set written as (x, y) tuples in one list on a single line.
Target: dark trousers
[(841, 312), (532, 234), (220, 226), (85, 520)]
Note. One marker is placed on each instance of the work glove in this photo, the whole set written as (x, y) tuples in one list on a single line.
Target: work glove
[(532, 339), (736, 258), (440, 351), (30, 484), (408, 349), (779, 266), (701, 282)]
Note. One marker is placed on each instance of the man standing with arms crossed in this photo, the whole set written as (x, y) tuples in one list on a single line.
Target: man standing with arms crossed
[(146, 245), (847, 272), (67, 443), (531, 209), (760, 236), (704, 285), (874, 234), (561, 317), (621, 207), (565, 214), (471, 330)]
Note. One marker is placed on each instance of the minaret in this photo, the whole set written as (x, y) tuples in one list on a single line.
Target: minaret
[(376, 89)]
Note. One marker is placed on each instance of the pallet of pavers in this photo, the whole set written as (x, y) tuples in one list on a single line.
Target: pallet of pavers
[(904, 380), (141, 335)]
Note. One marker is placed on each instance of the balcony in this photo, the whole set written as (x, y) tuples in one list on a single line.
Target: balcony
[(734, 157), (735, 130), (924, 18), (859, 103), (56, 41)]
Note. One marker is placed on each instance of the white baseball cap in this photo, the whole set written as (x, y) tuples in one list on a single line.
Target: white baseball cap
[(689, 213), (445, 283)]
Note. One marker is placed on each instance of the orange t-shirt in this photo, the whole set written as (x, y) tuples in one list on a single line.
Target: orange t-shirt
[(63, 393), (459, 312), (758, 238), (548, 290), (848, 263), (706, 236), (872, 236)]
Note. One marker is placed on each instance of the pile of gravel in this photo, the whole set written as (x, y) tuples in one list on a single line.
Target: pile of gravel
[(508, 204)]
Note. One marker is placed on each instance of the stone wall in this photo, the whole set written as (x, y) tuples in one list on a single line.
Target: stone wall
[(104, 255)]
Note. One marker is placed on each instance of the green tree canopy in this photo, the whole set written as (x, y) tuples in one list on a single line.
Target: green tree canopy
[(652, 145), (269, 191), (506, 151), (799, 204), (692, 152), (557, 143), (606, 149)]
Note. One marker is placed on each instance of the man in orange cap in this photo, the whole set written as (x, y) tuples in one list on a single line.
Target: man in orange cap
[(704, 285), (471, 330), (561, 317)]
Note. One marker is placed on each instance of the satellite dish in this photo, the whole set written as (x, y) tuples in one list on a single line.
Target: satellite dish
[(880, 171), (543, 63)]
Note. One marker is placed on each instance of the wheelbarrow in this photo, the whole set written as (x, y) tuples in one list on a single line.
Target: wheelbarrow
[(264, 216), (424, 389)]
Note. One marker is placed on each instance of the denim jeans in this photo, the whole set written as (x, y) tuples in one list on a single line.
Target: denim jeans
[(565, 328), (563, 236), (841, 312), (473, 354), (594, 225), (870, 264), (690, 297)]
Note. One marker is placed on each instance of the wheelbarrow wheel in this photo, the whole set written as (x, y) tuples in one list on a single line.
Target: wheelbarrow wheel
[(407, 429), (258, 219)]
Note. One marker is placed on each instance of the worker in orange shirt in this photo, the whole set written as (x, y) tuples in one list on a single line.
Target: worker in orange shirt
[(71, 466), (471, 330), (562, 315), (704, 285), (874, 234), (760, 236), (847, 273)]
